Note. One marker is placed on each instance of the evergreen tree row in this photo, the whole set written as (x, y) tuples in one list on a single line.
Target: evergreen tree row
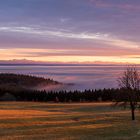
[(63, 96)]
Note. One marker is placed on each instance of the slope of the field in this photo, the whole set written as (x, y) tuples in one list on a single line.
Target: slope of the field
[(87, 121)]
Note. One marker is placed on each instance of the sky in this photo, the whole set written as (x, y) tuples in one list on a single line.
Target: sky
[(79, 31)]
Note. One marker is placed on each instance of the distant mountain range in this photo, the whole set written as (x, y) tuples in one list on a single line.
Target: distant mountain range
[(25, 61)]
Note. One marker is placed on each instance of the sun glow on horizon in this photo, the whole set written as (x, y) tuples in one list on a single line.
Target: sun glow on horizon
[(54, 55)]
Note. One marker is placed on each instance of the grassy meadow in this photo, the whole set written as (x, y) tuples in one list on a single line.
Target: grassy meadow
[(75, 121)]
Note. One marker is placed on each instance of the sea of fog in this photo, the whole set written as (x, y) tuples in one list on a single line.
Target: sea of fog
[(76, 77)]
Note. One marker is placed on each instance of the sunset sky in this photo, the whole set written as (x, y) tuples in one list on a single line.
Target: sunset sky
[(70, 30)]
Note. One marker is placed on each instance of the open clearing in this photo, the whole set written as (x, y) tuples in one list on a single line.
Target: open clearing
[(75, 121)]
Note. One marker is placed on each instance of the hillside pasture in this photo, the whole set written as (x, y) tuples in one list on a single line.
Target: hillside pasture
[(75, 121)]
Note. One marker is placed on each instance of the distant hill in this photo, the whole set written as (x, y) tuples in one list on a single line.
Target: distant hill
[(24, 81)]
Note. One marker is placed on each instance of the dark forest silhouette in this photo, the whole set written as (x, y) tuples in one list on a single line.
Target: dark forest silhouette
[(26, 81), (14, 84), (61, 96)]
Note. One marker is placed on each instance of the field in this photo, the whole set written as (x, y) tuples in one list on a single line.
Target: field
[(75, 121)]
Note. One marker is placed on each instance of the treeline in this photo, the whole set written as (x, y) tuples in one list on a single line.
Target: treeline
[(18, 88), (63, 96), (19, 80)]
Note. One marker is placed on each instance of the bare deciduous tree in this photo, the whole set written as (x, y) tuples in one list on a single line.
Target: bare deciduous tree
[(129, 83)]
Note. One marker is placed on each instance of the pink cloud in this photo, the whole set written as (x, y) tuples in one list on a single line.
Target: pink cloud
[(129, 7), (122, 6), (100, 3)]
